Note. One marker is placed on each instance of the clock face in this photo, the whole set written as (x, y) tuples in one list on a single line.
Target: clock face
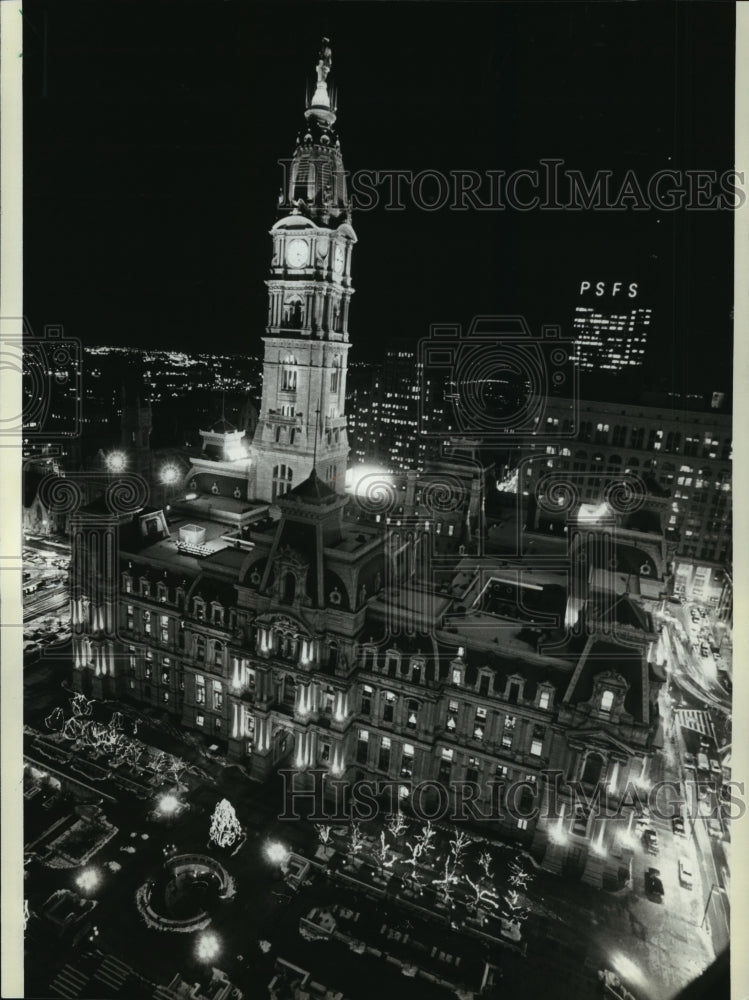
[(338, 258), (297, 253)]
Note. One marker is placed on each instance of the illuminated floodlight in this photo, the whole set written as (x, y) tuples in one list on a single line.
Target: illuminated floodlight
[(88, 879), (208, 947), (276, 852), (116, 461)]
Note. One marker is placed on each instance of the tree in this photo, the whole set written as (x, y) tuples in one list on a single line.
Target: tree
[(55, 721), (520, 878), (446, 884), (81, 705), (485, 861), (458, 844), (513, 910), (323, 831), (383, 854), (225, 827), (397, 824), (356, 840), (72, 728), (484, 894)]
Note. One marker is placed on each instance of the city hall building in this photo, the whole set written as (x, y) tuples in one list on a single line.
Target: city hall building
[(294, 627)]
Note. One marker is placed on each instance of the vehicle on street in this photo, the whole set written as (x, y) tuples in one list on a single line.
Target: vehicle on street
[(677, 825), (653, 884), (685, 873), (714, 828), (650, 840)]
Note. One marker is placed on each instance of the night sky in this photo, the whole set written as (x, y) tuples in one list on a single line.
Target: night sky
[(153, 136)]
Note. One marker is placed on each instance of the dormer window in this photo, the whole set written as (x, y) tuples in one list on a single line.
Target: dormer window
[(217, 614), (544, 700), (199, 607), (145, 588), (607, 701), (457, 675), (127, 583), (161, 592)]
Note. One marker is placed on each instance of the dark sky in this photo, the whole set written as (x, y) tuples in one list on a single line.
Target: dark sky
[(152, 143)]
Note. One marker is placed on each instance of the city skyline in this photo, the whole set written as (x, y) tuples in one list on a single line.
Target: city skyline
[(181, 175)]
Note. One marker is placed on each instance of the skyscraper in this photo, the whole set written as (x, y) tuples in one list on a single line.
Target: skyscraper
[(610, 326)]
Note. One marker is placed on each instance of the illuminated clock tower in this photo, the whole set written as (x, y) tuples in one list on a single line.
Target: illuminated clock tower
[(302, 422)]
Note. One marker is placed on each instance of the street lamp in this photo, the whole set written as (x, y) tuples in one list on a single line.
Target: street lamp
[(277, 853), (208, 947), (88, 879), (168, 804), (116, 461), (169, 475)]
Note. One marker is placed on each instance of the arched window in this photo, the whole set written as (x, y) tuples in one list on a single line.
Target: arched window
[(281, 480), (293, 313), (335, 374), (288, 373), (607, 701)]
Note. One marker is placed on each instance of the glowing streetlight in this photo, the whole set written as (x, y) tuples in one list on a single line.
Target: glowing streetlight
[(169, 475), (168, 804), (88, 879), (116, 461), (208, 947), (277, 853)]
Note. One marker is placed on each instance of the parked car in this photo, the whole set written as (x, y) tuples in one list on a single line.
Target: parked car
[(653, 884), (677, 825), (714, 828), (650, 840), (685, 873)]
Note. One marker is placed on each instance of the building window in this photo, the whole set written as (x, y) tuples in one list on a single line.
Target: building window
[(407, 761), (366, 700), (324, 752), (457, 676), (607, 701), (199, 720), (536, 747), (446, 764), (166, 697), (362, 746), (384, 760), (544, 700), (522, 824), (282, 476), (507, 741), (479, 724), (472, 770), (510, 721), (388, 711), (199, 689), (218, 696), (412, 717), (452, 715)]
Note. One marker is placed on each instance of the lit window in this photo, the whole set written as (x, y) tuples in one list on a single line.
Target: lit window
[(607, 701)]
